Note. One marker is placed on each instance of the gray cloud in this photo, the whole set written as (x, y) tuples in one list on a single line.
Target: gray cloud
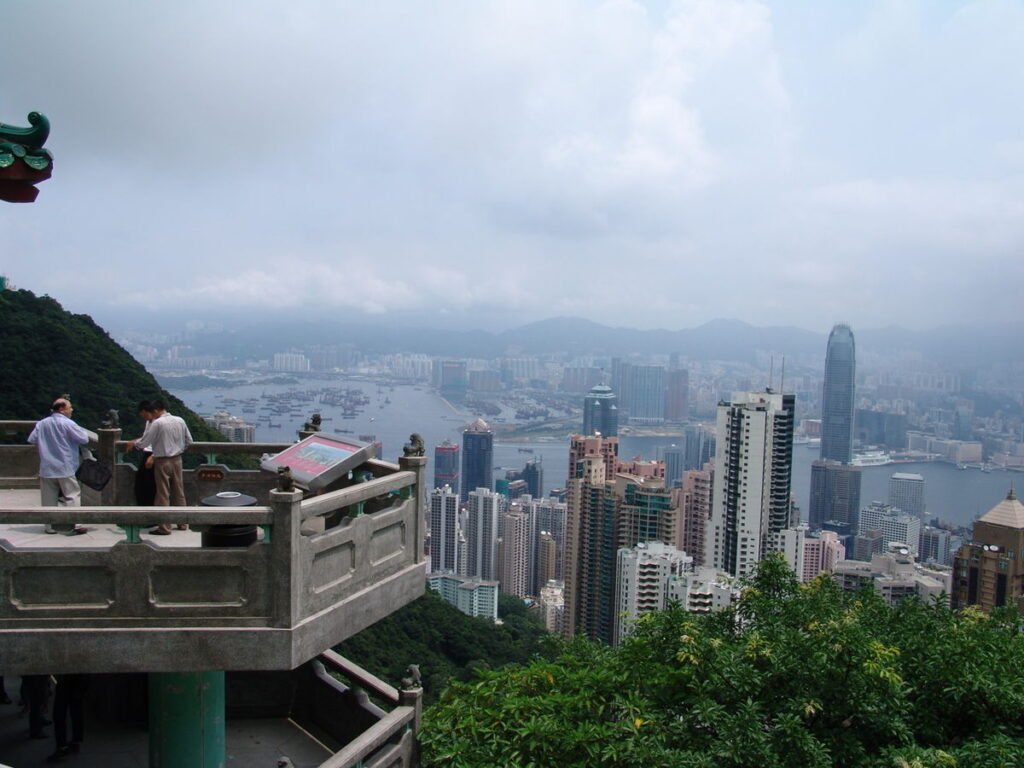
[(645, 164)]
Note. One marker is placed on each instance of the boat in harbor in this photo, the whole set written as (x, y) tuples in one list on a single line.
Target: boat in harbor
[(871, 459)]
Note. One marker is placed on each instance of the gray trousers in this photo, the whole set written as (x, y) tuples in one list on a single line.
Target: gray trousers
[(60, 492)]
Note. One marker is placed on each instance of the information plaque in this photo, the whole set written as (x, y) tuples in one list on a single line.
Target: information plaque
[(318, 460)]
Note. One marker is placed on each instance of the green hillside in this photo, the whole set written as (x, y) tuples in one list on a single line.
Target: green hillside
[(48, 351), (445, 643)]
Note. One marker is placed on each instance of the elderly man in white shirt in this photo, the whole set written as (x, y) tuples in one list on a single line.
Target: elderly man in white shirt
[(168, 437), (59, 440)]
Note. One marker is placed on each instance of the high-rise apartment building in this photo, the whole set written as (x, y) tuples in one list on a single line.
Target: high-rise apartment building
[(483, 510), (838, 396), (590, 548), (548, 518), (647, 511), (606, 512), (546, 560), (753, 467), (896, 527), (935, 546), (516, 552), (906, 493), (477, 457), (533, 476), (473, 597), (696, 505), (584, 445), (674, 457), (446, 465), (821, 553), (677, 395), (989, 570), (646, 574), (647, 395), (699, 443), (444, 530), (452, 379)]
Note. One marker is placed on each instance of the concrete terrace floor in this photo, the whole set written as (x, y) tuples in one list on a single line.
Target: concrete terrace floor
[(251, 743), (32, 535)]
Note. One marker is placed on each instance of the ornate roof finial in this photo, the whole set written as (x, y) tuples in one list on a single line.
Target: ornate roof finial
[(1012, 495)]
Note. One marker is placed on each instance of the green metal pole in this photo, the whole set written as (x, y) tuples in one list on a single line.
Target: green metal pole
[(186, 720)]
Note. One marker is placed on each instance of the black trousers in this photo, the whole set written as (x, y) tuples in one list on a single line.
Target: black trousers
[(69, 699), (34, 690)]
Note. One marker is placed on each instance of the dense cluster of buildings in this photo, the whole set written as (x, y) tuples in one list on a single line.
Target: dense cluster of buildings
[(625, 537)]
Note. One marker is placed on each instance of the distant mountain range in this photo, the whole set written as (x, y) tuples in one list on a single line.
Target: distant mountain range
[(953, 347)]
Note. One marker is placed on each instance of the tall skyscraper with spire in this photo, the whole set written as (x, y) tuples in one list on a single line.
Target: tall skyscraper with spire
[(835, 485), (837, 402)]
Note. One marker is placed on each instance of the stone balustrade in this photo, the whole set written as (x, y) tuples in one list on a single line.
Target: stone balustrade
[(323, 569)]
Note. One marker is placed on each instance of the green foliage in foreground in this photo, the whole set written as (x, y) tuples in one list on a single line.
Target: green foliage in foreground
[(795, 676), (48, 351), (444, 642)]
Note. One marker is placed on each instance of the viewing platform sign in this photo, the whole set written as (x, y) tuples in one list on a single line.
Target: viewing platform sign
[(319, 460)]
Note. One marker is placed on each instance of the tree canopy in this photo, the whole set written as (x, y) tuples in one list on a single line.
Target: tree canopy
[(445, 643), (793, 676)]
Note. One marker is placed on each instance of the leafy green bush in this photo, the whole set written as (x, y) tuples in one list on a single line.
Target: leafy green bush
[(794, 676)]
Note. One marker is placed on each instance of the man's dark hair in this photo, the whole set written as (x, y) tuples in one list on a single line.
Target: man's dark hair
[(149, 405)]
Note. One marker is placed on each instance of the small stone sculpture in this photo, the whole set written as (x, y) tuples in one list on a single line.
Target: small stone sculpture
[(313, 425), (285, 482), (412, 678), (112, 420), (415, 446)]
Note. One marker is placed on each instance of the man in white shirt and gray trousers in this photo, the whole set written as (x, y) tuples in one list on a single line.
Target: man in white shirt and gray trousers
[(59, 440), (168, 437)]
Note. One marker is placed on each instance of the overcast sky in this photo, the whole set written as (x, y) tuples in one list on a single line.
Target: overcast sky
[(644, 164)]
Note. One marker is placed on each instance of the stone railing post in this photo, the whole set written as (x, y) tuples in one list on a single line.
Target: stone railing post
[(107, 453), (286, 569), (417, 464)]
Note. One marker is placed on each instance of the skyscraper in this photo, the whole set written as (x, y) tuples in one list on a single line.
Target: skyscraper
[(646, 575), (601, 412), (647, 395), (446, 466), (988, 571), (515, 552), (677, 395), (477, 459), (906, 493), (835, 486), (444, 530), (482, 513), (753, 466), (838, 396), (835, 495)]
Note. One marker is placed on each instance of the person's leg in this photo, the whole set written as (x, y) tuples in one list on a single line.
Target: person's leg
[(60, 713), (49, 496), (79, 684), (163, 471), (70, 496), (178, 488), (36, 690), (71, 491), (177, 483)]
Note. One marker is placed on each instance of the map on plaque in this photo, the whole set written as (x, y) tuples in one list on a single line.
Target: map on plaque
[(319, 460)]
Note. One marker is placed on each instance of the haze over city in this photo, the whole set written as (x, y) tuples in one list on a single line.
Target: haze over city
[(487, 164)]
